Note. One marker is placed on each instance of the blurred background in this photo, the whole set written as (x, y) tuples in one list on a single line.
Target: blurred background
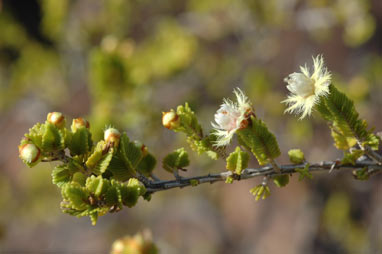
[(124, 62)]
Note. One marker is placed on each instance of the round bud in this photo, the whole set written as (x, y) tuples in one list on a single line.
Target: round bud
[(79, 123), (30, 153), (56, 118), (170, 120), (112, 135)]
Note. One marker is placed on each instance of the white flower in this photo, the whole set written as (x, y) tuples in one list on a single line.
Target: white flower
[(231, 117), (305, 89)]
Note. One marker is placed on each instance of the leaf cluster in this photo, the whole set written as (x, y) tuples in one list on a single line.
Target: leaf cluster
[(347, 128)]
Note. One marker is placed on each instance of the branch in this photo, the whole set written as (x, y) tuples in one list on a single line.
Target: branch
[(155, 186)]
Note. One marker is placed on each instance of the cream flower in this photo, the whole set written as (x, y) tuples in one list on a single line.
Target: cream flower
[(305, 89), (231, 117)]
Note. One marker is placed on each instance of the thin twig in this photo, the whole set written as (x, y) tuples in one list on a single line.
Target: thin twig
[(248, 173)]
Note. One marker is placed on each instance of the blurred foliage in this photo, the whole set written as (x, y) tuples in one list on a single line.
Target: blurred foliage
[(339, 224)]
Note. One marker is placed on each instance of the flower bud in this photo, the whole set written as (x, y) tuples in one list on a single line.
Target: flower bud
[(78, 123), (29, 153), (112, 135), (170, 120), (56, 118), (141, 146)]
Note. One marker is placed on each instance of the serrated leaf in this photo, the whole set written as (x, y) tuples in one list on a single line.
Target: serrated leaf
[(237, 161), (119, 170), (35, 134), (76, 195), (113, 197), (343, 116), (188, 122), (147, 165), (96, 155), (129, 153), (79, 143), (103, 163), (260, 141), (52, 139), (93, 218), (61, 175), (176, 160), (97, 185), (79, 178), (131, 191)]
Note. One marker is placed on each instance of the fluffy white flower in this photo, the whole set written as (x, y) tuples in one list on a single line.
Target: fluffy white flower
[(231, 117), (305, 89)]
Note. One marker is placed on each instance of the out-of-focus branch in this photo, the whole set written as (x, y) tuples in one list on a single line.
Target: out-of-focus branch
[(155, 186)]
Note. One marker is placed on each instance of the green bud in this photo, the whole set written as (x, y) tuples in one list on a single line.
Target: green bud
[(296, 156)]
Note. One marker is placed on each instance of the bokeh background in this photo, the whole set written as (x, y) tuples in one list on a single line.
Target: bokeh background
[(123, 62)]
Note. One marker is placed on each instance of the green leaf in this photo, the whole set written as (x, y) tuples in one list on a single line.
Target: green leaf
[(113, 196), (204, 145), (341, 141), (304, 172), (338, 109), (176, 160), (296, 156), (229, 180), (61, 175), (352, 157), (131, 191), (103, 164), (35, 134), (136, 184), (147, 165), (79, 178), (281, 181), (119, 170), (76, 195), (97, 185), (129, 153), (52, 139), (361, 174), (260, 141), (96, 156), (188, 122), (79, 143), (237, 161), (372, 141), (194, 182)]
